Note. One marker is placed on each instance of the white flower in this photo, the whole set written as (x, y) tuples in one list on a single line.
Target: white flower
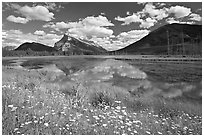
[(96, 117), (104, 125), (10, 106), (117, 101), (159, 133), (135, 131), (148, 132), (118, 107), (46, 124), (14, 108), (15, 129)]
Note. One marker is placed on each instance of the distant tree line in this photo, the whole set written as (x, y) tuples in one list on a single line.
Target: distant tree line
[(29, 52)]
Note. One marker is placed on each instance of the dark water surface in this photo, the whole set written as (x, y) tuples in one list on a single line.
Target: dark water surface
[(169, 80)]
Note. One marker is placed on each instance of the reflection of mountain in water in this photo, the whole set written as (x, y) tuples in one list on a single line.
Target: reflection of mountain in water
[(116, 73), (121, 74), (106, 71)]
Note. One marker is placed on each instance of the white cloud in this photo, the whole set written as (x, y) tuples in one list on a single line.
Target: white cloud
[(129, 19), (90, 31), (36, 13), (195, 17), (172, 20), (127, 13), (39, 32), (17, 19), (17, 37), (53, 6), (97, 21), (132, 36), (179, 11), (147, 23), (120, 41), (155, 13), (86, 28)]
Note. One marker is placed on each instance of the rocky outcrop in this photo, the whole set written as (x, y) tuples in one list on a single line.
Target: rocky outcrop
[(75, 45)]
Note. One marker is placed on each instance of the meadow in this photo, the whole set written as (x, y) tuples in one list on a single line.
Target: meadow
[(34, 102)]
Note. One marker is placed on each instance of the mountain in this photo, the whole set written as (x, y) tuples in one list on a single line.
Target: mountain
[(78, 46), (35, 47), (173, 36)]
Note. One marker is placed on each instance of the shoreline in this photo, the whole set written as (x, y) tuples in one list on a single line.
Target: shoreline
[(154, 58)]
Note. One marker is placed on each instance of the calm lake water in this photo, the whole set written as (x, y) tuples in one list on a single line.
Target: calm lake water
[(169, 80)]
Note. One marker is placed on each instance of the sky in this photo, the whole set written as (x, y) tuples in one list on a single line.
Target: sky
[(113, 25)]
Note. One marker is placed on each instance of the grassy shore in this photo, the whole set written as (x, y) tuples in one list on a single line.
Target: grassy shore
[(35, 103)]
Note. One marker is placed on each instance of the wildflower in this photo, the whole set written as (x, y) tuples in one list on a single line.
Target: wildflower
[(42, 117), (14, 108), (148, 132), (46, 124), (185, 128), (159, 133), (104, 125), (117, 101), (124, 112), (137, 121), (120, 117), (129, 129), (129, 124), (118, 107), (96, 117), (10, 106), (135, 131)]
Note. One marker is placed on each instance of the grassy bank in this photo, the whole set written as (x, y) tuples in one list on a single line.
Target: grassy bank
[(35, 102)]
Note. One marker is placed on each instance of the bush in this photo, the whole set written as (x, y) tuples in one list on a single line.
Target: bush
[(100, 99)]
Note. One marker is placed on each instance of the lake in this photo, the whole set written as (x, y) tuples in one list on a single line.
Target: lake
[(169, 80)]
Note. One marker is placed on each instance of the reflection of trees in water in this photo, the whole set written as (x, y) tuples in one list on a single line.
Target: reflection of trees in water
[(134, 80)]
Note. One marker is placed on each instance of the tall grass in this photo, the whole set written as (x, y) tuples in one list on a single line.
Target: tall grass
[(33, 103)]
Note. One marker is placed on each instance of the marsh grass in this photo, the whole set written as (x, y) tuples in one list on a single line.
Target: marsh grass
[(33, 104)]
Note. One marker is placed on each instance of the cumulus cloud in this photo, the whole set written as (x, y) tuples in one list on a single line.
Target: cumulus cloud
[(17, 37), (131, 36), (173, 20), (195, 17), (39, 32), (179, 11), (147, 23), (97, 21), (90, 31), (53, 6), (129, 19), (17, 19), (120, 41), (86, 28), (30, 13), (154, 12), (36, 13)]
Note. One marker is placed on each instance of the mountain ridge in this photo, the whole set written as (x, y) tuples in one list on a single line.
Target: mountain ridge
[(76, 45), (34, 46), (156, 42)]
